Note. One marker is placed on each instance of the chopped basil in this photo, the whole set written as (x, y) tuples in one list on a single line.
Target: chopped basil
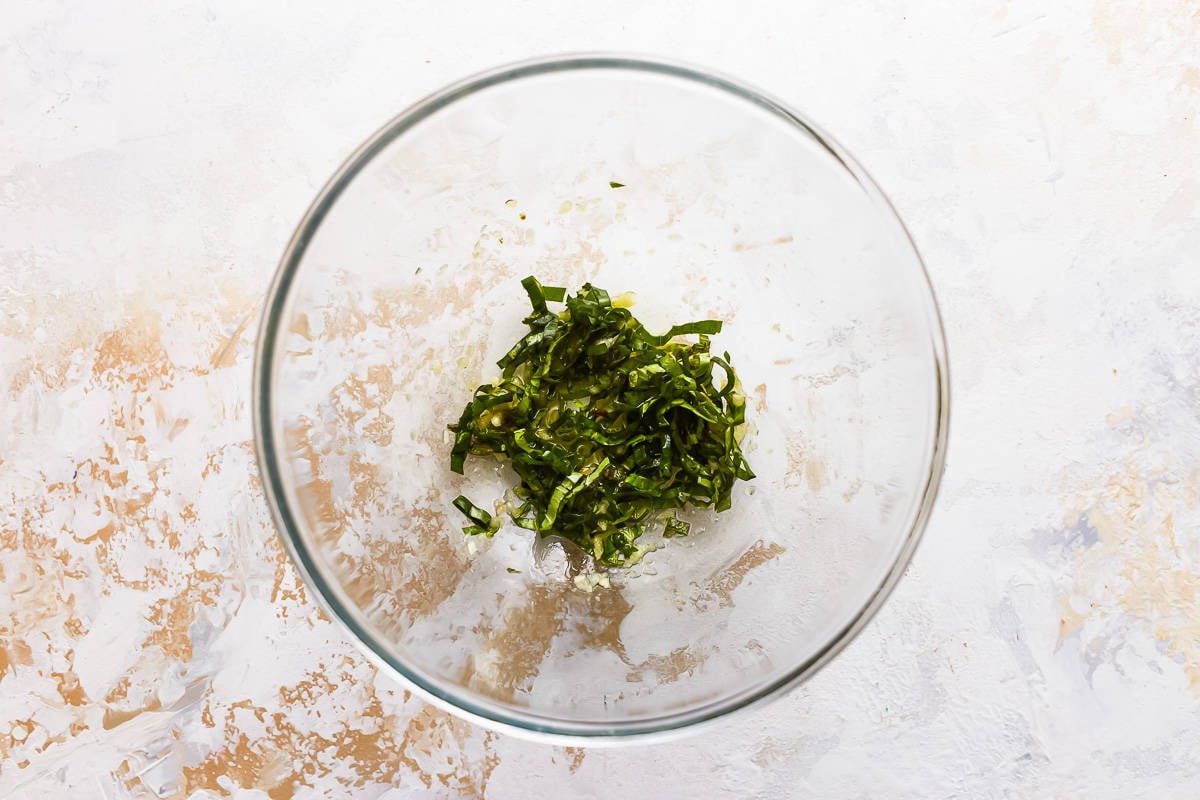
[(609, 427), (482, 521)]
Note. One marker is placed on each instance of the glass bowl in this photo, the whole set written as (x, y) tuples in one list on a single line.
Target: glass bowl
[(401, 288)]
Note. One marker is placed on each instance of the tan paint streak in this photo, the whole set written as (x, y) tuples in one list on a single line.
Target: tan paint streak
[(606, 610), (576, 756), (600, 622), (515, 649), (739, 247), (133, 356), (225, 355), (287, 588), (369, 748), (432, 731), (119, 691), (68, 686), (22, 653), (241, 762), (1070, 621), (797, 453), (418, 571), (814, 474), (75, 628), (723, 584), (1138, 569), (415, 305), (125, 368), (173, 617), (299, 326), (114, 717), (760, 397), (179, 427), (674, 665), (316, 494), (802, 465), (1191, 77), (357, 399), (1122, 414), (367, 486)]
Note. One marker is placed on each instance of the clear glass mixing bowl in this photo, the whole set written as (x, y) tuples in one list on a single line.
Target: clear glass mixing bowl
[(399, 291)]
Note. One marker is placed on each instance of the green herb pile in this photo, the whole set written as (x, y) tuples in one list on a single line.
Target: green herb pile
[(609, 427)]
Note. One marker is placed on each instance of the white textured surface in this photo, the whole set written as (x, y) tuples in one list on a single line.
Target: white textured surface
[(154, 159)]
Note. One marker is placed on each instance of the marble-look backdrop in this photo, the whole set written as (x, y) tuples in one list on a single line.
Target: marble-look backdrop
[(154, 641)]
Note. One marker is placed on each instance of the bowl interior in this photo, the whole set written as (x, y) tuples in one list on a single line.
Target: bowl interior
[(403, 289)]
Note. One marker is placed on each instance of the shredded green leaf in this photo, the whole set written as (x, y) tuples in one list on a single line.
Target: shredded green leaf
[(481, 521), (609, 427)]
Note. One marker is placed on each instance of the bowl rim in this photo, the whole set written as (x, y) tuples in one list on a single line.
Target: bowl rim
[(495, 715)]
